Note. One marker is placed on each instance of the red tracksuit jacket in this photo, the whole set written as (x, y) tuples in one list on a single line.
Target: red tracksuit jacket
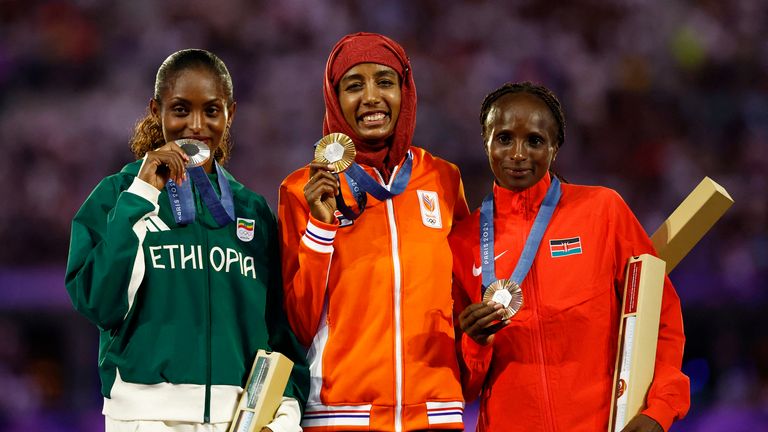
[(552, 368)]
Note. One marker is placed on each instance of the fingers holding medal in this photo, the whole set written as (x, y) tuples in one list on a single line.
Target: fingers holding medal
[(171, 161), (162, 164), (336, 150), (480, 321), (507, 293), (501, 301), (334, 153)]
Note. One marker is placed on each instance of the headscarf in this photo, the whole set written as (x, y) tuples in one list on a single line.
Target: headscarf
[(359, 48)]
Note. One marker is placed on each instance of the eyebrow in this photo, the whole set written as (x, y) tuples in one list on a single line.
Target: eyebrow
[(208, 102), (378, 74)]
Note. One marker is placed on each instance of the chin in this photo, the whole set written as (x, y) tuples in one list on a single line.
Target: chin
[(373, 137), (517, 184)]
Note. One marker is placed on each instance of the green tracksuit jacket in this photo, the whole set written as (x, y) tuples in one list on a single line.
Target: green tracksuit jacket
[(181, 309)]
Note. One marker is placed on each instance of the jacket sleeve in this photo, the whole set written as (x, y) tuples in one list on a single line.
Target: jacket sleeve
[(306, 248), (460, 209), (474, 359), (106, 261), (281, 337), (669, 396)]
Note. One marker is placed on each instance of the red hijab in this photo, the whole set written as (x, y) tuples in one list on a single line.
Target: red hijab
[(359, 48)]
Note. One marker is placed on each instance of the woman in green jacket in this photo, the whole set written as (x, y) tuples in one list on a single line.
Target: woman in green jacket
[(179, 267)]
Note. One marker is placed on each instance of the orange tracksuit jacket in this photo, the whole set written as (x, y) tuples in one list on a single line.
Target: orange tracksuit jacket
[(551, 368), (372, 301)]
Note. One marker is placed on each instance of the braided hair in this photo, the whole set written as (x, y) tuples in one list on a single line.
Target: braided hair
[(148, 133), (539, 91)]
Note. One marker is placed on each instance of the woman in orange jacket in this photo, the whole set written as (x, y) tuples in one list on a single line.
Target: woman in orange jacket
[(368, 282), (550, 366)]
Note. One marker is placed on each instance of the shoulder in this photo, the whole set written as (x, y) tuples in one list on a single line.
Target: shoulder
[(421, 156), (295, 180), (251, 198), (594, 201), (118, 181), (105, 194), (591, 195), (132, 169), (425, 162), (245, 197)]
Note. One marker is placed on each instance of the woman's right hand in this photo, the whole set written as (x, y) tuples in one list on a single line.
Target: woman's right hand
[(164, 163), (320, 191), (477, 321)]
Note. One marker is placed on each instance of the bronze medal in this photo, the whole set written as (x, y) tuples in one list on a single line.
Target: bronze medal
[(197, 151), (336, 149), (507, 293)]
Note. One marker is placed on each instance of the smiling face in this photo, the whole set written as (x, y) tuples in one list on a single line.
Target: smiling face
[(194, 105), (369, 95), (520, 140)]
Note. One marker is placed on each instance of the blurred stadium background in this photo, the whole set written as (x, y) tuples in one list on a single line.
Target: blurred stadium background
[(657, 94)]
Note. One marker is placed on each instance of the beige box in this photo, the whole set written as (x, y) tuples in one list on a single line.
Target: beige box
[(638, 333), (639, 327), (263, 392), (690, 221)]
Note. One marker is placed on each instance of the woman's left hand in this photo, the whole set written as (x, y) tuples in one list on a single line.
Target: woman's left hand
[(642, 423)]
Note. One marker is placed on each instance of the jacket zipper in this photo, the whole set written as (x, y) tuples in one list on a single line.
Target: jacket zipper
[(549, 422), (207, 412), (397, 301)]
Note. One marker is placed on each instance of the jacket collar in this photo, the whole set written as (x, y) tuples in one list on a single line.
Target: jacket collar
[(133, 168), (525, 202)]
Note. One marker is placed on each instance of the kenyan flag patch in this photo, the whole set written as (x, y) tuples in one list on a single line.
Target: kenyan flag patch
[(565, 247), (245, 229)]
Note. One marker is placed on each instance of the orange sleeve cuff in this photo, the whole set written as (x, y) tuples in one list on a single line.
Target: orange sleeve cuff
[(326, 226)]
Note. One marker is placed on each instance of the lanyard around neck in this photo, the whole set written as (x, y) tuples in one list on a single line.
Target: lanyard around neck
[(183, 203), (540, 224), (360, 183)]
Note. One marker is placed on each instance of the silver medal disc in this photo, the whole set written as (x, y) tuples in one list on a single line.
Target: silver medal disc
[(334, 152), (197, 151)]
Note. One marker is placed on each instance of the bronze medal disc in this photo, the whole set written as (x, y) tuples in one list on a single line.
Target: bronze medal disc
[(506, 292), (336, 149), (197, 151)]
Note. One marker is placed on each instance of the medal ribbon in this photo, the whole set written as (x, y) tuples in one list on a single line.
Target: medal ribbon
[(543, 216), (182, 200), (361, 182), (360, 197)]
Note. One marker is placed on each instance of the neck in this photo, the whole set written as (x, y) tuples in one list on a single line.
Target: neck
[(208, 166)]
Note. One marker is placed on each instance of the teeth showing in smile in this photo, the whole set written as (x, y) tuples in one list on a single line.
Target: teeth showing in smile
[(373, 117)]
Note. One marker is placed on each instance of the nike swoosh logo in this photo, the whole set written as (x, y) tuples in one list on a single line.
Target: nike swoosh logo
[(476, 271)]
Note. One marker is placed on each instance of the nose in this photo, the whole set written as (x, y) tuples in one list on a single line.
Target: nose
[(371, 95), (519, 151), (196, 121)]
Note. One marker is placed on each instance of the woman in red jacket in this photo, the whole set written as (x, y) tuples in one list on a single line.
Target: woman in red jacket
[(368, 290), (550, 366)]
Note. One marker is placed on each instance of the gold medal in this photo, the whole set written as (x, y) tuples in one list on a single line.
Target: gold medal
[(336, 149), (197, 151), (507, 293)]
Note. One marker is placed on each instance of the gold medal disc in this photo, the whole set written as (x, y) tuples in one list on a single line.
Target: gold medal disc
[(197, 151), (506, 292), (336, 149)]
